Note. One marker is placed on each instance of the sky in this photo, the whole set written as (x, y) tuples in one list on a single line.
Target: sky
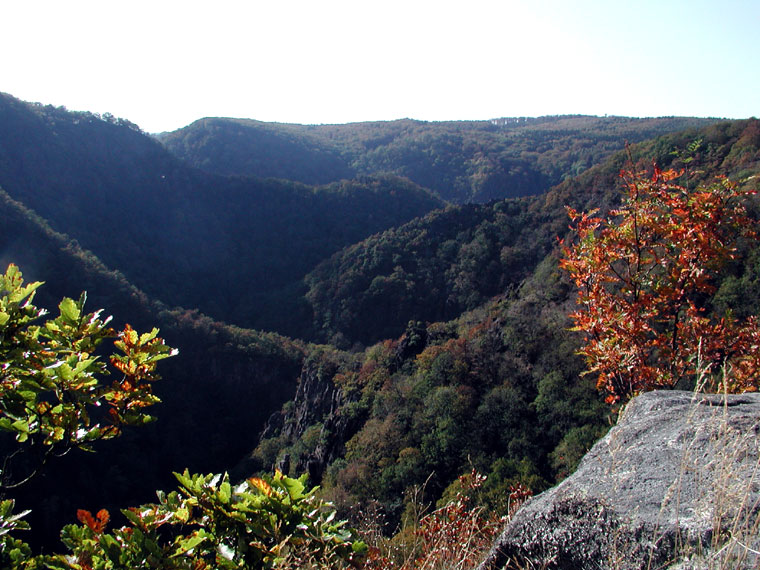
[(163, 63)]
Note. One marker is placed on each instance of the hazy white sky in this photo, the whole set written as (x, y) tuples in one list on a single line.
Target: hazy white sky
[(164, 63)]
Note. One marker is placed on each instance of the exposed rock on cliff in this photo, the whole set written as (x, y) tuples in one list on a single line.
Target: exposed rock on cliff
[(675, 483), (317, 408)]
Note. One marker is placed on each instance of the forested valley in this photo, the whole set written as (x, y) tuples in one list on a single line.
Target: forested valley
[(378, 305)]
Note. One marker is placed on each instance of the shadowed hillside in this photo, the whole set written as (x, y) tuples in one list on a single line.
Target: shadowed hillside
[(242, 244)]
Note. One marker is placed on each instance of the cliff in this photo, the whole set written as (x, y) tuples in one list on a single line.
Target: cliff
[(674, 484)]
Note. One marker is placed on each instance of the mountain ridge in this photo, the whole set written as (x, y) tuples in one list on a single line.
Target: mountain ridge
[(462, 161)]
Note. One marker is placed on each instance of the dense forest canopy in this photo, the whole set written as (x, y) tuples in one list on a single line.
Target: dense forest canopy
[(443, 321), (453, 260)]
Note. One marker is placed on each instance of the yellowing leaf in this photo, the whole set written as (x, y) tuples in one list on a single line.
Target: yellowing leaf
[(69, 310), (261, 485)]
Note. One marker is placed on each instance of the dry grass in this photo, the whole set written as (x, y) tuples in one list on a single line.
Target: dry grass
[(456, 536), (727, 479), (717, 488)]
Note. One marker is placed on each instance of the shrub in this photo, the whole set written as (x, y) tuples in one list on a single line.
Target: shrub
[(644, 275)]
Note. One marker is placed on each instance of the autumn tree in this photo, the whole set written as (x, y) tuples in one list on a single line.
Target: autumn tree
[(645, 274), (54, 393), (54, 396)]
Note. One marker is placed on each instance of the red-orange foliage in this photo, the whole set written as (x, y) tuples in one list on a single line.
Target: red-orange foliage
[(97, 523), (643, 275)]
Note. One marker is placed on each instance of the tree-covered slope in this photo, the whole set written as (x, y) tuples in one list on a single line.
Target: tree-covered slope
[(484, 375), (234, 247), (430, 269), (453, 260), (499, 388), (466, 161), (254, 148)]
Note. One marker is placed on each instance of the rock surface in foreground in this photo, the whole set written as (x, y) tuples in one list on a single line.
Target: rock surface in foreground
[(676, 482)]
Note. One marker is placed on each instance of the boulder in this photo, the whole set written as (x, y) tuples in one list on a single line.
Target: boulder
[(675, 484)]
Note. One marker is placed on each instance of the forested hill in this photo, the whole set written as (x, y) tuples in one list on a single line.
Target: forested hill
[(434, 268), (497, 388), (464, 161), (233, 247)]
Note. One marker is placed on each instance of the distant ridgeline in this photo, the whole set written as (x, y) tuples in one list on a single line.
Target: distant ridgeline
[(461, 161), (347, 235)]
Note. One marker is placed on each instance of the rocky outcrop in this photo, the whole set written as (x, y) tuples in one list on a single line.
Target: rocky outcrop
[(676, 484), (317, 397), (319, 401), (319, 404)]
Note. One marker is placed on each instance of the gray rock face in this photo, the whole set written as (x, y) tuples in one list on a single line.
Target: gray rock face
[(319, 401), (675, 484)]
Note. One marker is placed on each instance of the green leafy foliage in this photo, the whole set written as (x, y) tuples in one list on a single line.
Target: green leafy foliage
[(51, 379), (53, 393), (14, 553), (208, 522)]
